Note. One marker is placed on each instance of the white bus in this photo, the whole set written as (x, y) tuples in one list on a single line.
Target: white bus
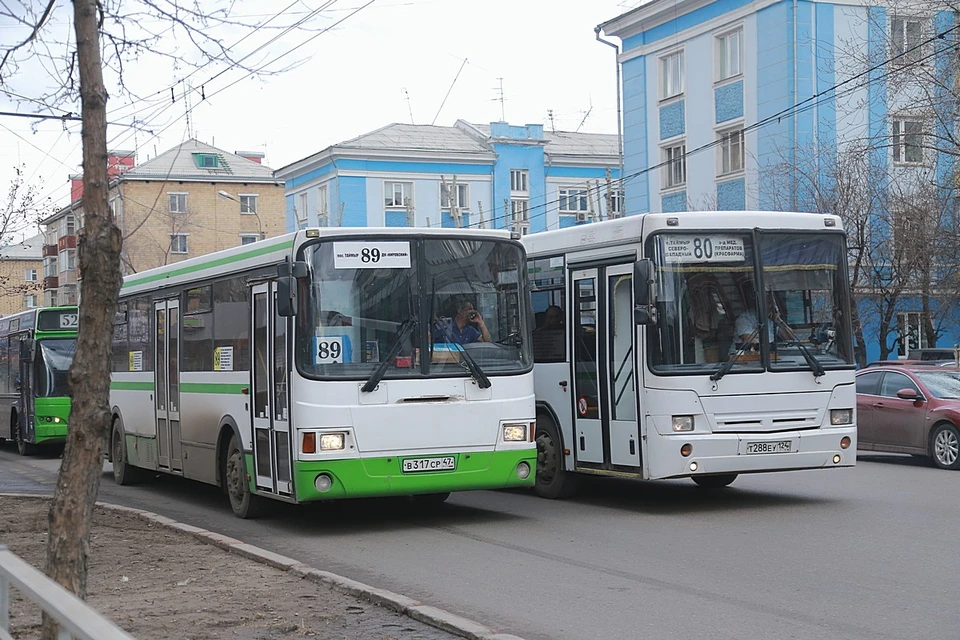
[(330, 363), (650, 361)]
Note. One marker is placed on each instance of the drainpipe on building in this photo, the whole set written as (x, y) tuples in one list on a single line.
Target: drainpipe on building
[(796, 128), (619, 123)]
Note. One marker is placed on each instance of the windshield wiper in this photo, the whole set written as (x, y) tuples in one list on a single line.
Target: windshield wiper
[(726, 366), (482, 380), (815, 365), (405, 328)]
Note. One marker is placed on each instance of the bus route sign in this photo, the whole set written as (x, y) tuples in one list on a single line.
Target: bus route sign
[(703, 248)]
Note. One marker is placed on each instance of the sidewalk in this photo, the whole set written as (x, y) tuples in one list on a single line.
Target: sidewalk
[(162, 580)]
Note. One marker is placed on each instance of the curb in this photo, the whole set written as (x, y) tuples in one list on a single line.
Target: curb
[(439, 618)]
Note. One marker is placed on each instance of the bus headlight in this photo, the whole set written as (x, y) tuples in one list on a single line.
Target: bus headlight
[(56, 419), (331, 441), (514, 433), (682, 423), (841, 416)]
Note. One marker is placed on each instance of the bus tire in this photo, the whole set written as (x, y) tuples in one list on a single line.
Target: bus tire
[(553, 481), (24, 448), (715, 482), (244, 504), (124, 473)]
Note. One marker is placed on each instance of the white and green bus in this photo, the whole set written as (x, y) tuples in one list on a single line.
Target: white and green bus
[(651, 360), (330, 363)]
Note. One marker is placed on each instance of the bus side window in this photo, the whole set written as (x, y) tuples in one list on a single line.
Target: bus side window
[(4, 359), (231, 318)]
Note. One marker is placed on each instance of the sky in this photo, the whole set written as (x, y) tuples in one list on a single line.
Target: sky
[(420, 61)]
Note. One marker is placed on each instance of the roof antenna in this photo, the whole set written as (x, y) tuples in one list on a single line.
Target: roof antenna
[(186, 105), (449, 90), (503, 117), (409, 108), (553, 127), (585, 116)]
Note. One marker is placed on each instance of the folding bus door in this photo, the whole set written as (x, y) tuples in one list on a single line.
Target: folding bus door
[(167, 385), (270, 376)]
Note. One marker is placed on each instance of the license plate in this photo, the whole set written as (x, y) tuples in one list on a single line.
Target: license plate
[(780, 446), (412, 465)]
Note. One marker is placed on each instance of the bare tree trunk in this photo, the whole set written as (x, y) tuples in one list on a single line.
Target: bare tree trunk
[(99, 254)]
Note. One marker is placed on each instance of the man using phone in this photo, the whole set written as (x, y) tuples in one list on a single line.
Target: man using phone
[(465, 327)]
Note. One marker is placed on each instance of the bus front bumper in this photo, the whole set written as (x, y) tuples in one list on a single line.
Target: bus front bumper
[(724, 453), (382, 476)]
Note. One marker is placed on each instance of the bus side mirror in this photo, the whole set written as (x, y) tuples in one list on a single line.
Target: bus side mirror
[(645, 310), (287, 276)]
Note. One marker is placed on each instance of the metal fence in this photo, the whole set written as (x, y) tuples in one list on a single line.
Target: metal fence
[(77, 619)]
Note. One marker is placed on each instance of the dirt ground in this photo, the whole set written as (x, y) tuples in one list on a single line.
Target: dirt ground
[(159, 584)]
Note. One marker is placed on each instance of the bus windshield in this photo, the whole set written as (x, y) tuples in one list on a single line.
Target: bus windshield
[(403, 307), (710, 307), (52, 362)]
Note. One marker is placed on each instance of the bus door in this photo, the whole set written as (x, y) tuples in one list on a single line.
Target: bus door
[(25, 389), (271, 415), (167, 385), (606, 430)]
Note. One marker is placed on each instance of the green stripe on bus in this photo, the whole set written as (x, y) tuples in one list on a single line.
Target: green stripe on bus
[(212, 387), (131, 386), (213, 263)]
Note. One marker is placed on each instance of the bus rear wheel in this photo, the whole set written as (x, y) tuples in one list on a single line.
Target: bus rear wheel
[(244, 504), (124, 474), (24, 448), (553, 481), (715, 482)]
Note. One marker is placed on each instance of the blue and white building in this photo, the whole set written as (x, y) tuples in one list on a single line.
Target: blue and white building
[(492, 176), (740, 104)]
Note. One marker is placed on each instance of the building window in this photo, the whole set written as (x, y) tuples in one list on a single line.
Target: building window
[(68, 260), (30, 300), (249, 238), (518, 181), (460, 196), (615, 207), (520, 215), (731, 152), (674, 166), (206, 160), (178, 202), (906, 36), (907, 141), (30, 275), (248, 203), (397, 194), (671, 75), (300, 211), (323, 207), (68, 226), (178, 243), (50, 298), (729, 54), (50, 267), (573, 200)]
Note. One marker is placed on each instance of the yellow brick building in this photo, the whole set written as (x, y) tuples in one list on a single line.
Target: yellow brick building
[(191, 200), (20, 267)]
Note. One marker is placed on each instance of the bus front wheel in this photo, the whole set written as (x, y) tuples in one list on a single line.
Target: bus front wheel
[(24, 448), (715, 482), (124, 474), (553, 481), (244, 504)]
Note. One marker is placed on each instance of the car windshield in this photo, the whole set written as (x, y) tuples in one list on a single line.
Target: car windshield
[(414, 306), (52, 363), (710, 308), (941, 384)]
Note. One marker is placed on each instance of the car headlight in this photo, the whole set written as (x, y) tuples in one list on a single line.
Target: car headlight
[(514, 432), (841, 416), (682, 423), (331, 441)]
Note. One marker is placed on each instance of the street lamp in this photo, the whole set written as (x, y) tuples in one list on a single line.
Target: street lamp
[(230, 196)]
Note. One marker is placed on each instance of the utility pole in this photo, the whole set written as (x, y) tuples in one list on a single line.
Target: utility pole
[(480, 211), (506, 216), (610, 212), (411, 220)]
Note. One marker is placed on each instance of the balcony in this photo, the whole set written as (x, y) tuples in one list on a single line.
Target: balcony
[(51, 282), (50, 250), (67, 242)]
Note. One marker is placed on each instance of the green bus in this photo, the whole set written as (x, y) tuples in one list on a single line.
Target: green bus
[(36, 350)]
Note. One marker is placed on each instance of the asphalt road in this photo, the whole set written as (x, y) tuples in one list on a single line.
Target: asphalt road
[(867, 553)]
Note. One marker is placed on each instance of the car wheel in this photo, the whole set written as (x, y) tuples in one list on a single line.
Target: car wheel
[(553, 481), (715, 482), (945, 446)]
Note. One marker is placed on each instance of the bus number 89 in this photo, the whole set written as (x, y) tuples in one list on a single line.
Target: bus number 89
[(329, 351), (370, 255)]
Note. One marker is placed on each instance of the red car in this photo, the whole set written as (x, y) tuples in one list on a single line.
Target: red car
[(911, 409)]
